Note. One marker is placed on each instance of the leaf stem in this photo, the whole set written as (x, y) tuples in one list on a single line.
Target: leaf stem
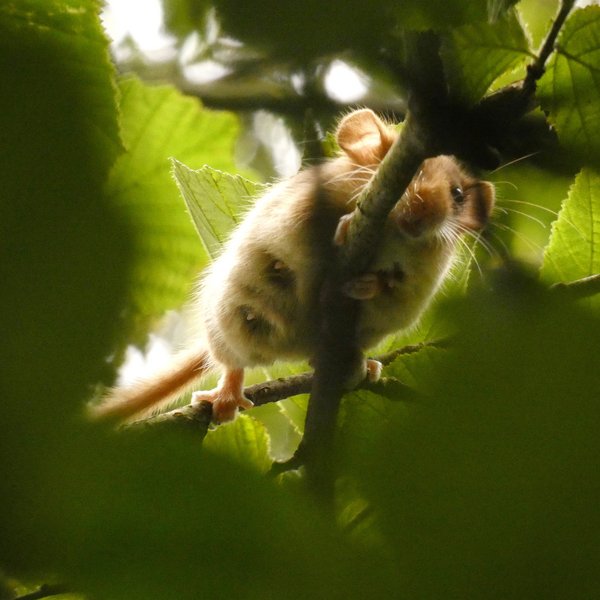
[(536, 69)]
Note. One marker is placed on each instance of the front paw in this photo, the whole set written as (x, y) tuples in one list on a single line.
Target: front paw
[(341, 232), (374, 368), (366, 370), (365, 287)]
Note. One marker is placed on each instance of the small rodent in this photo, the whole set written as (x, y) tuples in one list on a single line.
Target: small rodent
[(257, 302)]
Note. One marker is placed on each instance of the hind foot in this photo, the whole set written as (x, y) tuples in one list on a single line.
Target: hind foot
[(226, 398)]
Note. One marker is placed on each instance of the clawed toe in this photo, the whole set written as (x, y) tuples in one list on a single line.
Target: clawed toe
[(226, 398), (374, 368)]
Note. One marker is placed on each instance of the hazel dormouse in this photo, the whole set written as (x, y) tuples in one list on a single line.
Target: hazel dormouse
[(257, 303)]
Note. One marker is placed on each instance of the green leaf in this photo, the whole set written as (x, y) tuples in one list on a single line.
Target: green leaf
[(70, 35), (442, 14), (245, 440), (64, 256), (475, 55), (537, 17), (504, 456), (295, 410), (152, 515), (570, 89), (308, 29), (183, 16), (159, 122), (574, 248), (215, 200), (415, 370)]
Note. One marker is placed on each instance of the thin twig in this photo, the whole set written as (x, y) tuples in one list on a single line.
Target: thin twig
[(579, 288), (199, 416), (536, 69), (45, 591)]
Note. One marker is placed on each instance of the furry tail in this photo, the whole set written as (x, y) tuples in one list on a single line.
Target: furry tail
[(123, 403)]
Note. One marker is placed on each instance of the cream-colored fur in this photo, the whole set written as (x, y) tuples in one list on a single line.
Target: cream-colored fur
[(257, 302)]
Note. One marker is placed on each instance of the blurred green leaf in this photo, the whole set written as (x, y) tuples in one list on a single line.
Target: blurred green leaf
[(476, 54), (159, 122), (215, 200), (183, 16), (245, 440), (64, 252), (490, 488), (155, 516), (570, 89), (442, 14), (302, 31), (574, 248), (71, 36)]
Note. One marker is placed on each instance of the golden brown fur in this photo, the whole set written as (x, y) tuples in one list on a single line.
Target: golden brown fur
[(257, 301)]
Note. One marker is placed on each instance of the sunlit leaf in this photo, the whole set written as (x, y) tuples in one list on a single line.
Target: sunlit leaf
[(536, 16), (215, 200), (245, 440), (570, 88), (157, 123), (574, 248), (475, 55)]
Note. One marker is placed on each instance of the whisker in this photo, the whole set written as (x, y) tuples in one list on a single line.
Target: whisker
[(515, 161), (356, 174), (519, 235), (533, 204), (468, 248), (548, 210), (477, 236), (535, 219), (510, 183)]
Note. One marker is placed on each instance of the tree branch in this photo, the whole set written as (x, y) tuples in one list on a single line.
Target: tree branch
[(45, 591), (435, 124), (580, 288), (536, 69), (198, 417)]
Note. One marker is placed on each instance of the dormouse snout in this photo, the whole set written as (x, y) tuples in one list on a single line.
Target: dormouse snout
[(421, 210), (417, 218), (442, 195)]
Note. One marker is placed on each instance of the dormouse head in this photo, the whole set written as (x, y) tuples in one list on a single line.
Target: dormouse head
[(364, 137), (443, 201)]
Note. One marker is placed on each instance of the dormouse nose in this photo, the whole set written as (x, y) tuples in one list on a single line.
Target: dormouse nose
[(420, 214)]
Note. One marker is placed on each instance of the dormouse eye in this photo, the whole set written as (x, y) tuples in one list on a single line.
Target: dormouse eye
[(457, 194)]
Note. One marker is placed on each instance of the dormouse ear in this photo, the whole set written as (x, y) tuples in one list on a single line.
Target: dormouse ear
[(364, 137)]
